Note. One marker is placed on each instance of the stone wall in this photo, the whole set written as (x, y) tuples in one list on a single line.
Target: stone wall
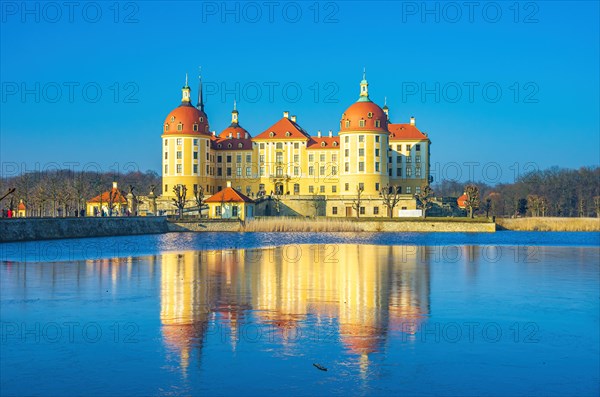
[(27, 229)]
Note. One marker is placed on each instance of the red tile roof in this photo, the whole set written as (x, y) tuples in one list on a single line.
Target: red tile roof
[(228, 195), (280, 130), (118, 197), (232, 144), (21, 206), (323, 143), (399, 132), (462, 201)]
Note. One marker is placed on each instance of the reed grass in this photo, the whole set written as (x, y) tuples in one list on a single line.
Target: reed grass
[(291, 224), (549, 224)]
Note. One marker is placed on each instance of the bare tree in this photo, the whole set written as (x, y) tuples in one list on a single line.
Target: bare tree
[(179, 200), (112, 196), (199, 198), (391, 197), (425, 198), (597, 205), (472, 201), (356, 204)]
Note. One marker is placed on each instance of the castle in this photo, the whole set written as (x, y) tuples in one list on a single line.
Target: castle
[(310, 175)]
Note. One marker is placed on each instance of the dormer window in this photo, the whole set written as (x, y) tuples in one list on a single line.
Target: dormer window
[(229, 145), (288, 133), (322, 144), (240, 145), (370, 115), (361, 123), (172, 119), (206, 128), (195, 127), (334, 143), (377, 123), (166, 127), (219, 146), (271, 134), (201, 119), (347, 123), (179, 127)]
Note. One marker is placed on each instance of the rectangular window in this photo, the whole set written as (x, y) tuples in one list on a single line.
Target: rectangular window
[(333, 210), (347, 186), (376, 152), (361, 166), (248, 171), (322, 158), (408, 159), (296, 171), (248, 158), (238, 171), (322, 189), (228, 171), (398, 148), (409, 172), (262, 145), (346, 139), (377, 124), (418, 189), (418, 147), (347, 167), (166, 144), (166, 169), (362, 210), (166, 155), (377, 167), (389, 171), (361, 123), (296, 188), (376, 138), (219, 171), (408, 148), (262, 171), (390, 159), (311, 189), (322, 170), (179, 141), (219, 159), (334, 158), (346, 152), (417, 159), (375, 210), (311, 170), (361, 138), (195, 155), (296, 158), (178, 155), (361, 152), (399, 159), (334, 189), (218, 210), (408, 190), (229, 159), (296, 145), (195, 142), (166, 188), (279, 145), (311, 158), (262, 158), (398, 171), (238, 158), (195, 168), (361, 186), (179, 168), (334, 170), (418, 172), (279, 157), (376, 186)]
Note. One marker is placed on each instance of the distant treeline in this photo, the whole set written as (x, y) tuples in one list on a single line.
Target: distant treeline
[(65, 192), (551, 192)]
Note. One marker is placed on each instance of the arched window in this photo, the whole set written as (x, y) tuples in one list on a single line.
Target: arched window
[(240, 145), (335, 144), (370, 115), (172, 119), (288, 133), (219, 146), (201, 119), (229, 145), (195, 127), (322, 144), (271, 134), (166, 127)]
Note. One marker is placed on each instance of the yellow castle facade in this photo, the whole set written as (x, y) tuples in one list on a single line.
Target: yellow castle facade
[(368, 154)]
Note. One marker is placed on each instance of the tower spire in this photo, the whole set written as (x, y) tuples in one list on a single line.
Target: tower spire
[(200, 104), (364, 88), (234, 115), (185, 92)]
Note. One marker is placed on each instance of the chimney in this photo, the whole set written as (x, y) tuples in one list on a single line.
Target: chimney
[(286, 114), (246, 135), (319, 134), (228, 183), (230, 135), (330, 133), (294, 119), (214, 133), (412, 121), (238, 135), (114, 185)]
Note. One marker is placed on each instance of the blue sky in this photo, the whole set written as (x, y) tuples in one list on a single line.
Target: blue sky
[(499, 87)]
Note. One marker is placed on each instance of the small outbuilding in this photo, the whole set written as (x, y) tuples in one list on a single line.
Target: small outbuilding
[(230, 204), (110, 203)]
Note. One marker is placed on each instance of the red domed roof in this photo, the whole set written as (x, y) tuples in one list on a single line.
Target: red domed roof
[(232, 132), (367, 111), (188, 116)]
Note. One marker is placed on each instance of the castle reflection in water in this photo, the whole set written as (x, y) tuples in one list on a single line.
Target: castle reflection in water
[(349, 294)]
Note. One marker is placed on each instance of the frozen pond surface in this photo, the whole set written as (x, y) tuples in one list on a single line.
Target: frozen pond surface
[(509, 313)]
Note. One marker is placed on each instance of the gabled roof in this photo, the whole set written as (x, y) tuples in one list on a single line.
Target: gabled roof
[(401, 132), (229, 195), (316, 143), (280, 130), (232, 144), (118, 197)]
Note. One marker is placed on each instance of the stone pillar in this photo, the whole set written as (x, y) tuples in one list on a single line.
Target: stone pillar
[(152, 203)]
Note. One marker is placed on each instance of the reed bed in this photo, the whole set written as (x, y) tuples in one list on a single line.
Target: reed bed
[(290, 224), (550, 224)]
